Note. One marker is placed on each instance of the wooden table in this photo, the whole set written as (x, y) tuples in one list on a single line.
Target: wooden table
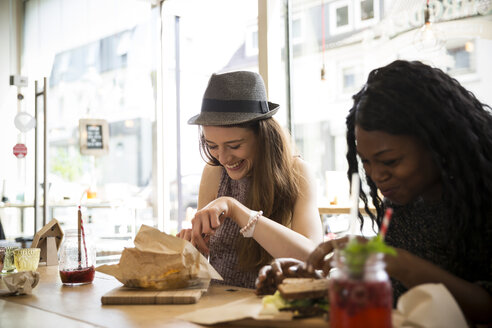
[(341, 210), (57, 306)]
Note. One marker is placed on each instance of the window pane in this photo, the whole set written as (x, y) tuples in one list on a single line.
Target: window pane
[(202, 41), (463, 58), (347, 55), (101, 67), (348, 78), (342, 16), (366, 9)]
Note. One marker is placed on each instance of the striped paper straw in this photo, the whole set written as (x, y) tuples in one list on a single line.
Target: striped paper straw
[(354, 208), (386, 221), (79, 227)]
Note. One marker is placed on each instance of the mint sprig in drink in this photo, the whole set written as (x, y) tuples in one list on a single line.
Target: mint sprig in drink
[(356, 254)]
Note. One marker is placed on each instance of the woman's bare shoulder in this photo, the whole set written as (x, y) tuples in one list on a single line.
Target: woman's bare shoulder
[(302, 166), (211, 173), (209, 184)]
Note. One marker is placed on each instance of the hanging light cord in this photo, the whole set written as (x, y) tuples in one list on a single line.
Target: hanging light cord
[(323, 30), (427, 13), (322, 40)]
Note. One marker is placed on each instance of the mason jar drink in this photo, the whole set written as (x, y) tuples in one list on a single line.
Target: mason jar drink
[(360, 292), (77, 258)]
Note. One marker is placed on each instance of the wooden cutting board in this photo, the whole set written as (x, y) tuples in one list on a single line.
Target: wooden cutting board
[(125, 295)]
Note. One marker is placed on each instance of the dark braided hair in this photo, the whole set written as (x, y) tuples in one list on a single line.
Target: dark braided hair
[(414, 99)]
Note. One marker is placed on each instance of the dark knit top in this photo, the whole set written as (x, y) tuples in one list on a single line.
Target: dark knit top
[(223, 256), (420, 228)]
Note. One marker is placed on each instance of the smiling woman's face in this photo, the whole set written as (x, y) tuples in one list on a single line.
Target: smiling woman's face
[(400, 166), (233, 147)]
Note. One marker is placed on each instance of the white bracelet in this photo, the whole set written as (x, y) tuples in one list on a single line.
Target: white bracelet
[(248, 230)]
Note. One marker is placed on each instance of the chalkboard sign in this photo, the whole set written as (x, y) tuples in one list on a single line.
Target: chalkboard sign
[(94, 137)]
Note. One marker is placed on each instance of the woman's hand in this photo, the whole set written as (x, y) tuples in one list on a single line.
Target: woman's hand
[(207, 220), (185, 234), (270, 276), (317, 260)]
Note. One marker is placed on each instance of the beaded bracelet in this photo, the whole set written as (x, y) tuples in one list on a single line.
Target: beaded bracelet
[(248, 230)]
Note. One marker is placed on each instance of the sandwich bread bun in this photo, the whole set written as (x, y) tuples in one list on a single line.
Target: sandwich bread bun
[(304, 297)]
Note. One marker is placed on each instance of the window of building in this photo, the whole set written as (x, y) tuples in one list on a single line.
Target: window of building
[(341, 17), (462, 58), (348, 78), (366, 10), (366, 13), (351, 77)]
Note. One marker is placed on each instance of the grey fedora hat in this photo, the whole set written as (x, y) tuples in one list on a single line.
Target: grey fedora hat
[(234, 98)]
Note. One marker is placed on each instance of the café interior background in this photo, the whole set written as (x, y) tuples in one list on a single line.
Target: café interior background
[(142, 66)]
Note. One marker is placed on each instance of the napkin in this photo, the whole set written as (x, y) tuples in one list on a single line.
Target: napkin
[(429, 306), (424, 306), (21, 282), (160, 261)]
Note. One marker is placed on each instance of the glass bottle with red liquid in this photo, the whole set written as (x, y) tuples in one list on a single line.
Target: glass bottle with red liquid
[(77, 258), (360, 292)]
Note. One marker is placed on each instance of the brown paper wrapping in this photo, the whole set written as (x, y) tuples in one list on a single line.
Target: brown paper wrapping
[(20, 283), (160, 261)]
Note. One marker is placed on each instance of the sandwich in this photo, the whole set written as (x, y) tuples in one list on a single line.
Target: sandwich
[(304, 297), (171, 279)]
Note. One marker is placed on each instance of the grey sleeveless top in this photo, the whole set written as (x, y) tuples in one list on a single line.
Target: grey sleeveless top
[(223, 256)]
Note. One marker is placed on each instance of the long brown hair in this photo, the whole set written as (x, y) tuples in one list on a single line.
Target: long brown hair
[(274, 184)]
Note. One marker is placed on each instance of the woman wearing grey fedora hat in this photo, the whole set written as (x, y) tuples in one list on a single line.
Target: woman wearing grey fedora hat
[(257, 201)]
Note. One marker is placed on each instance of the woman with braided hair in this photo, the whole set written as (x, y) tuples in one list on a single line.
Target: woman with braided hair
[(425, 144)]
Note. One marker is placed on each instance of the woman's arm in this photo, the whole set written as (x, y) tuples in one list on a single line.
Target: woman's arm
[(276, 239), (410, 270), (306, 229)]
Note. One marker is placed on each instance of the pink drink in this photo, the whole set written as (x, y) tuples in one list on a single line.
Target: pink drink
[(78, 276), (77, 258), (360, 292), (356, 303)]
